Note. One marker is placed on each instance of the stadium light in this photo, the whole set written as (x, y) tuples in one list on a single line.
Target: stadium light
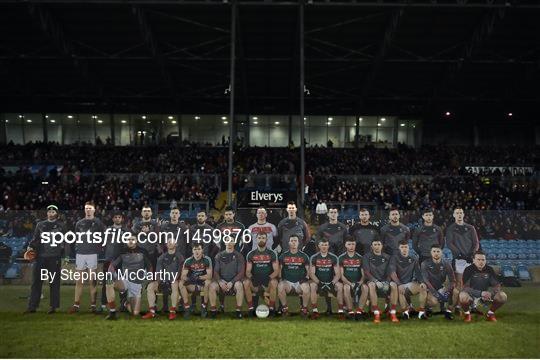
[(28, 120), (70, 116), (383, 119), (330, 118), (197, 117), (277, 123), (225, 122), (171, 117), (223, 118), (7, 120), (447, 113), (100, 121), (53, 121), (123, 121), (255, 123), (173, 122), (255, 118), (402, 125), (148, 122), (46, 116), (329, 123), (20, 116), (144, 117), (510, 114), (94, 117), (360, 119)]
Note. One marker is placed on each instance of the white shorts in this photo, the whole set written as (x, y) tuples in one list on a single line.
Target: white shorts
[(86, 261), (461, 265), (408, 285), (295, 286), (133, 289)]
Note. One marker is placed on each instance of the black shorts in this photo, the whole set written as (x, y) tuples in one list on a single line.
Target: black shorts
[(326, 290), (260, 282)]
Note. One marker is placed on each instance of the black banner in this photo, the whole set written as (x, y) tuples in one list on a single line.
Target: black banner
[(270, 199)]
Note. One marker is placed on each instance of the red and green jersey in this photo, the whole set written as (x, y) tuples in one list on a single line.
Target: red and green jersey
[(352, 266), (261, 262), (324, 266), (293, 266), (197, 267)]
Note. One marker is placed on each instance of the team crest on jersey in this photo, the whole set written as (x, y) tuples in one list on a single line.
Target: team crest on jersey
[(410, 260)]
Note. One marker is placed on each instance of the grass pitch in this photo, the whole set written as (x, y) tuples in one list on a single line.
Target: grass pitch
[(515, 335)]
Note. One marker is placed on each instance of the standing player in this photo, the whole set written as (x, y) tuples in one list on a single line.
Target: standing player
[(477, 279), (292, 225), (169, 264), (235, 229), (197, 233), (333, 231), (324, 274), (262, 270), (178, 229), (86, 254), (229, 272), (47, 257), (426, 235), (150, 228), (352, 276), (112, 251), (364, 232), (405, 272), (262, 227), (376, 270), (196, 277), (462, 240), (294, 268), (131, 262), (435, 273), (393, 233)]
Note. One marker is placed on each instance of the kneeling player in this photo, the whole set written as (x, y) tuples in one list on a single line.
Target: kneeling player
[(324, 274), (294, 267), (262, 270), (132, 260), (169, 265), (435, 272), (405, 272), (375, 266), (477, 279), (195, 279), (228, 275), (352, 276)]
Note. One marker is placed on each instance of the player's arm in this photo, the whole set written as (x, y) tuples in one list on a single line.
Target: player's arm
[(451, 275), (185, 271), (475, 241), (450, 241), (311, 270), (494, 282), (425, 277), (115, 264), (209, 271), (365, 267), (416, 241), (337, 274), (275, 267), (440, 238), (240, 269), (249, 266), (36, 240), (392, 271), (344, 280), (467, 274)]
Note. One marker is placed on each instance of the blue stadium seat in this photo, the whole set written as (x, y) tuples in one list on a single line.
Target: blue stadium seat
[(507, 270), (13, 272), (523, 272)]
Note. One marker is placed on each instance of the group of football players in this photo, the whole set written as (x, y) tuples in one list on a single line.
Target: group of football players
[(357, 266)]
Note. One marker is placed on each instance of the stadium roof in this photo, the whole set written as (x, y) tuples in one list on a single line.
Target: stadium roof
[(361, 57)]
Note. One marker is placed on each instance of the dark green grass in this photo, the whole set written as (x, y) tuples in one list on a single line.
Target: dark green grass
[(516, 335)]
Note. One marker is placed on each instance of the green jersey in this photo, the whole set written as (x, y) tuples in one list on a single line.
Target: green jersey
[(293, 266), (197, 268), (261, 264), (352, 266), (324, 266)]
